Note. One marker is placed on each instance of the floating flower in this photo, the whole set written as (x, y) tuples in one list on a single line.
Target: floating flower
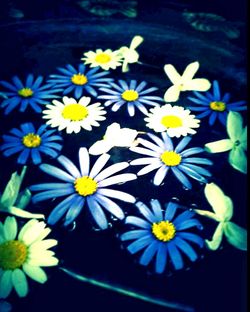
[(162, 234), (236, 144), (74, 115), (215, 105), (164, 157), (131, 94), (84, 185), (30, 93), (222, 206), (31, 143), (130, 55), (184, 82), (23, 254), (175, 120), (114, 136), (13, 201), (79, 80), (105, 59)]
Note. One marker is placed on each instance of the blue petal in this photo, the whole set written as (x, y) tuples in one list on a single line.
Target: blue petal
[(29, 81), (186, 224), (182, 144), (185, 248), (18, 83), (175, 256), (191, 151), (74, 210), (91, 91), (197, 169), (109, 205), (141, 86), (69, 166), (186, 215), (49, 186), (204, 114), (56, 172), (191, 237), (170, 211), (212, 118), (145, 211), (123, 84), (22, 159), (37, 82), (191, 173), (181, 177), (140, 243), (156, 207), (168, 144), (133, 234), (197, 160), (97, 213), (51, 194), (161, 258), (78, 92), (35, 155), (216, 90), (61, 209), (138, 222), (149, 253), (13, 150)]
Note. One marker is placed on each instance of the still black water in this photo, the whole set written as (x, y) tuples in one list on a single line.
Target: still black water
[(56, 33)]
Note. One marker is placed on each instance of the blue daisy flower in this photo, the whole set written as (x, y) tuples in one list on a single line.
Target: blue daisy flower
[(78, 80), (132, 94), (84, 185), (162, 235), (28, 142), (29, 93), (164, 157), (215, 105)]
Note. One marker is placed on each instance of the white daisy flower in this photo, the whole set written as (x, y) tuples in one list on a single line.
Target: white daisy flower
[(175, 120), (184, 82), (73, 115), (23, 254), (114, 136), (105, 59)]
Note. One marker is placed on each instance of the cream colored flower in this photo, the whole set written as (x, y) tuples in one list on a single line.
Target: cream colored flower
[(184, 82), (129, 54), (105, 59), (222, 206), (22, 254), (74, 115), (13, 201), (175, 120), (114, 136), (236, 144)]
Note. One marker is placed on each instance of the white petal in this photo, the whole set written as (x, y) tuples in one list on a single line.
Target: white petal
[(19, 281), (190, 71), (217, 238), (172, 74), (219, 146), (236, 235), (51, 261), (10, 228), (27, 225), (172, 94), (33, 233), (100, 147), (5, 284), (198, 84), (207, 214), (234, 125), (44, 244), (238, 159), (36, 273), (222, 205), (136, 41)]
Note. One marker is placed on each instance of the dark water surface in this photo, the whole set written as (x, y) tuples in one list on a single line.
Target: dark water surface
[(56, 33)]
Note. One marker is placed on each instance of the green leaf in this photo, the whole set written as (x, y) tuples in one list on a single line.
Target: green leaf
[(238, 159), (234, 125), (216, 239), (236, 235)]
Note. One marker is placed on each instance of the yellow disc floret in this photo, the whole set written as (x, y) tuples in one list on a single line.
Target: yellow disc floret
[(79, 79), (75, 112), (171, 121), (102, 58), (25, 92), (32, 140), (130, 95), (170, 158), (218, 106), (163, 231), (13, 254), (85, 186)]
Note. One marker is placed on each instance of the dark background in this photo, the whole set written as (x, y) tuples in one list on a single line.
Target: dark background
[(55, 33)]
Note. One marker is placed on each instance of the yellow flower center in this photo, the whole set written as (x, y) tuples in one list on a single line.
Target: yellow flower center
[(75, 112), (85, 186), (102, 58), (170, 158), (218, 106), (32, 140), (130, 95), (25, 92), (79, 79), (163, 231), (171, 121), (13, 254)]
